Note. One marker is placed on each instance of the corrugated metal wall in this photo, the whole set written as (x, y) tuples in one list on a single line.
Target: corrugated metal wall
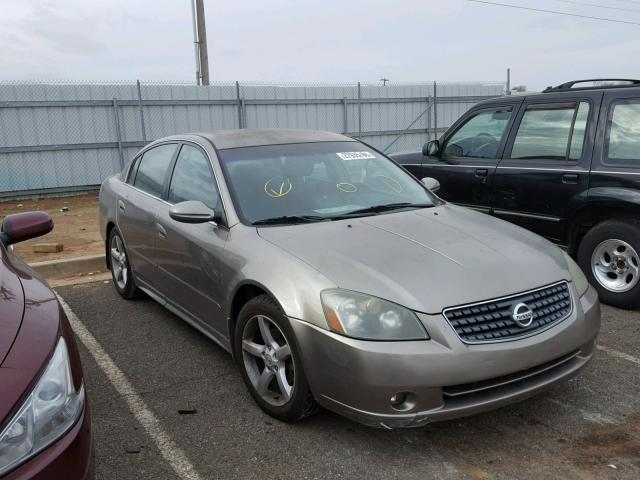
[(69, 136)]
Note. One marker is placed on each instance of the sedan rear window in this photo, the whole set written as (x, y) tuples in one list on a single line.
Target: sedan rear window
[(153, 169)]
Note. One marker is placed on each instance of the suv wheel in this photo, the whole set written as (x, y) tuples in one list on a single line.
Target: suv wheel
[(120, 268), (271, 366), (609, 256)]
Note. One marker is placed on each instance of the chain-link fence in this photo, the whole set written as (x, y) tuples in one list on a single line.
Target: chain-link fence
[(64, 137)]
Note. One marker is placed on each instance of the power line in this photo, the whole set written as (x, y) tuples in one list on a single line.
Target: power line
[(599, 6), (612, 20)]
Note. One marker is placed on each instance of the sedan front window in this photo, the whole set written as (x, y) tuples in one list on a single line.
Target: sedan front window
[(317, 181)]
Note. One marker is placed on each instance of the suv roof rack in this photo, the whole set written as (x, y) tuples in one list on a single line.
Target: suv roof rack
[(629, 82)]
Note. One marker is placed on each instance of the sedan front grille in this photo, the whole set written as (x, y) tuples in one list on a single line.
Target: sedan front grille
[(493, 320)]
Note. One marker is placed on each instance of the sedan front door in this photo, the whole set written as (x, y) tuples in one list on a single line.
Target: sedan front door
[(190, 257)]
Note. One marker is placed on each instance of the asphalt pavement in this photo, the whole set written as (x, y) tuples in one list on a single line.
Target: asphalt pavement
[(184, 408)]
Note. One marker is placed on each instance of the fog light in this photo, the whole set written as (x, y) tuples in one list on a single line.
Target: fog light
[(398, 399), (403, 401)]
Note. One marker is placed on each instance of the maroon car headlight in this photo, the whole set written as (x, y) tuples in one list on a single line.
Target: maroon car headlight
[(49, 411)]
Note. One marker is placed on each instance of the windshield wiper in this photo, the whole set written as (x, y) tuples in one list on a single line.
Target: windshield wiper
[(386, 207), (290, 219)]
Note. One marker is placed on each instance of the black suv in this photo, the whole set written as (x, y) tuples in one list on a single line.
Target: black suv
[(564, 163)]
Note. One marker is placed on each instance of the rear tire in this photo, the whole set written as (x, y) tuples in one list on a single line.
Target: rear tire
[(121, 273), (609, 256), (271, 367)]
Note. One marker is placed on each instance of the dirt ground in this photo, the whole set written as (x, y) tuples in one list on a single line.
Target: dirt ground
[(76, 229)]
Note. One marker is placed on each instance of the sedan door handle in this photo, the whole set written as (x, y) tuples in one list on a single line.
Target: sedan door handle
[(121, 206), (570, 178), (162, 233), (482, 172)]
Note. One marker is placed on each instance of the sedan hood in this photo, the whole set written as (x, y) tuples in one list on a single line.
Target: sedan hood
[(11, 306), (427, 259)]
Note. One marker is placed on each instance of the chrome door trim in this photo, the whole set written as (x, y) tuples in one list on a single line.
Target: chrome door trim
[(548, 218)]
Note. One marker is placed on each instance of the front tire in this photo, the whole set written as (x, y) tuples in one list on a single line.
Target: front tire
[(121, 273), (609, 257), (271, 366)]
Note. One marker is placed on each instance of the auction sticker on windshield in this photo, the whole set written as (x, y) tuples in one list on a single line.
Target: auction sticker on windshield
[(355, 155)]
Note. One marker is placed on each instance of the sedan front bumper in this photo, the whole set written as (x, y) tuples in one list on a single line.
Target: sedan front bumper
[(442, 378)]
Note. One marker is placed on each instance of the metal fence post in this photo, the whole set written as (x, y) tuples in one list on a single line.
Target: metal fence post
[(240, 106), (345, 115), (118, 132), (144, 132), (359, 111), (435, 110), (429, 118)]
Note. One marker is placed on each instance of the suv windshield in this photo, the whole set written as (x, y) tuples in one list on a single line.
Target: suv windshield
[(298, 183)]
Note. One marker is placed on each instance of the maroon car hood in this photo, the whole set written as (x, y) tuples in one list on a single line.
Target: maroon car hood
[(11, 306)]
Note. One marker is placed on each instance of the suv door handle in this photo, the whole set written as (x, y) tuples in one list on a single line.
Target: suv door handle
[(162, 233), (482, 172), (121, 206), (570, 178)]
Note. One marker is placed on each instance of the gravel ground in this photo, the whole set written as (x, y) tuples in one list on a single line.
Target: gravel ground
[(587, 428)]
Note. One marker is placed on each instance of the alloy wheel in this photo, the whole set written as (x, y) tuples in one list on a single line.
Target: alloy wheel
[(615, 265), (268, 360), (119, 264)]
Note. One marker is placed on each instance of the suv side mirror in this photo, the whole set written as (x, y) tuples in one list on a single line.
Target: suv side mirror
[(431, 183), (193, 211), (25, 226), (431, 148)]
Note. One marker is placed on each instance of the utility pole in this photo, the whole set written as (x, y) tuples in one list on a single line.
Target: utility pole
[(384, 81), (508, 81), (202, 43), (195, 41)]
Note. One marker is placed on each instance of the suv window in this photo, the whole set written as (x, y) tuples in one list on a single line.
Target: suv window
[(153, 169), (193, 179), (479, 136), (552, 131), (624, 133)]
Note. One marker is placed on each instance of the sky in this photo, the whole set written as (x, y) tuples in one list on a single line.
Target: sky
[(319, 40)]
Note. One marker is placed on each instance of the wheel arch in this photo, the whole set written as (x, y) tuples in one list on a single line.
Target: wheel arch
[(243, 293), (603, 204)]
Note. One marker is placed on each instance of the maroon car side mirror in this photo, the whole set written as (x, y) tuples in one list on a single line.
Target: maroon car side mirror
[(24, 226)]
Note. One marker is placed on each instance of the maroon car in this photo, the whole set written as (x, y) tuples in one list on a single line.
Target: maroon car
[(45, 426)]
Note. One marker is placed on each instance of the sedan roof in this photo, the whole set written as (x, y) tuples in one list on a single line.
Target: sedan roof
[(250, 137)]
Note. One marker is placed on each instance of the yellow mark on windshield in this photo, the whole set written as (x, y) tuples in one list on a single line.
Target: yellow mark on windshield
[(278, 187), (347, 187)]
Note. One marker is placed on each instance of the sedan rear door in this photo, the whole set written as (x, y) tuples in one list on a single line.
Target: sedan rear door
[(138, 203)]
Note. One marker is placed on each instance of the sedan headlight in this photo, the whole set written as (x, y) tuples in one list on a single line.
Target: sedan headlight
[(579, 279), (363, 316), (48, 412)]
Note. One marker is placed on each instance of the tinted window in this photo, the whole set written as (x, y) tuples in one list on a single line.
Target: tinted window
[(322, 180), (153, 169), (624, 134), (193, 179), (480, 136), (550, 132)]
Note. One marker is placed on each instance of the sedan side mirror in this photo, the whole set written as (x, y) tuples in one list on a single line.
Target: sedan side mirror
[(431, 183), (431, 148), (193, 211), (25, 226)]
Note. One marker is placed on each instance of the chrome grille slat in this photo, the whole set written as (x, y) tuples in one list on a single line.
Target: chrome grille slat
[(491, 321)]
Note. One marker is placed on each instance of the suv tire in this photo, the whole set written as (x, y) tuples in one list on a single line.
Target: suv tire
[(259, 317), (608, 255)]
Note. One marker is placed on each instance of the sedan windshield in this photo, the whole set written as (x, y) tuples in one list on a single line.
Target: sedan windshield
[(308, 182)]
